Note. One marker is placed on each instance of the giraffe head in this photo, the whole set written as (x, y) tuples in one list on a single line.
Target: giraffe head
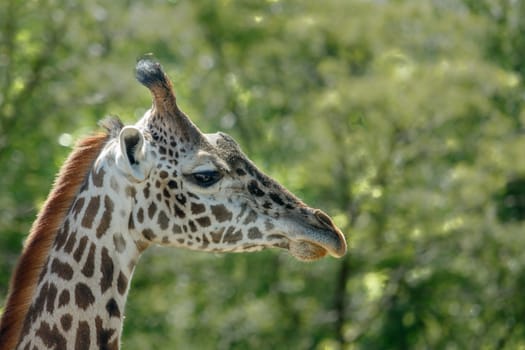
[(201, 192)]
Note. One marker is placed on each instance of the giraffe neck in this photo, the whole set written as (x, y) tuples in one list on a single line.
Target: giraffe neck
[(79, 294)]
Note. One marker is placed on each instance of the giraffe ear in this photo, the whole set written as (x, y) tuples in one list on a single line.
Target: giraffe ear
[(131, 156)]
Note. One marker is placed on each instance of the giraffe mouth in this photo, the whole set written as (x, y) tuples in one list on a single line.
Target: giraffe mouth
[(309, 243), (312, 249)]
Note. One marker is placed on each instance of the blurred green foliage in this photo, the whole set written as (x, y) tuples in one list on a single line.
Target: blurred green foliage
[(405, 120)]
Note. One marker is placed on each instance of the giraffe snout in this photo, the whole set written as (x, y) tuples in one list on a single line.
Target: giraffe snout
[(322, 231), (327, 223)]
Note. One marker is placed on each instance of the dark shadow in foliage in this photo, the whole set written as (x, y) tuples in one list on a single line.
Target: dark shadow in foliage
[(511, 201)]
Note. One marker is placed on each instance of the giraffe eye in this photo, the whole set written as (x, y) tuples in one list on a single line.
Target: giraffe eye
[(206, 178)]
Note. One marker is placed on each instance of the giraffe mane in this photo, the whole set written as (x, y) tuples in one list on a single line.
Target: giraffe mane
[(42, 235)]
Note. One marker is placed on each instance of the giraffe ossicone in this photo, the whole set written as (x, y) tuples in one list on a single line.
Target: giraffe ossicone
[(161, 181)]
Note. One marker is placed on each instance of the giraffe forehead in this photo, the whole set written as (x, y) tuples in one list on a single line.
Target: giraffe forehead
[(215, 152)]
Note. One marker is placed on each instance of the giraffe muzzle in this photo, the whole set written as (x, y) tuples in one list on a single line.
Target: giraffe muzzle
[(339, 247), (317, 236)]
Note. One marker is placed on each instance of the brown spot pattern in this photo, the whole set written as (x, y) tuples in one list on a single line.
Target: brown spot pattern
[(140, 215), (204, 221), (89, 266), (176, 229), (63, 270), (91, 212), (82, 340), (197, 208), (149, 234), (122, 283), (63, 298), (51, 296), (254, 233), (106, 217), (254, 189), (131, 223), (112, 308), (231, 237), (77, 255), (66, 321), (83, 296), (70, 242), (152, 209), (106, 268), (276, 198), (51, 337), (221, 213), (163, 220)]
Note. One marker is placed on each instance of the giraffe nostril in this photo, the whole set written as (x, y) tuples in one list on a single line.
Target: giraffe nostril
[(323, 218)]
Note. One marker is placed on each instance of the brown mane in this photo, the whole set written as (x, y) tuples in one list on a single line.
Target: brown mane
[(42, 235)]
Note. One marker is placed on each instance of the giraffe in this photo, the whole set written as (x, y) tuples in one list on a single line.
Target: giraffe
[(158, 182)]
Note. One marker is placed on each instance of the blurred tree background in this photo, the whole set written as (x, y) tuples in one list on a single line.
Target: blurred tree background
[(405, 120)]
